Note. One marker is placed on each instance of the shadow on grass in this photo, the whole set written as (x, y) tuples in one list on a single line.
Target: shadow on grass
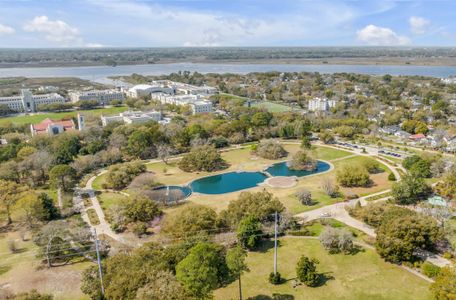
[(324, 277), (274, 297), (266, 245)]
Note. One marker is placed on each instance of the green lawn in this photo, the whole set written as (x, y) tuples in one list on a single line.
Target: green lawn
[(327, 153), (107, 200), (272, 107), (36, 118), (361, 276), (97, 183)]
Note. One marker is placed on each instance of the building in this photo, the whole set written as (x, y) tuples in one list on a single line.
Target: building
[(197, 103), (102, 96), (319, 104), (147, 89), (201, 107), (27, 102), (47, 126), (133, 117)]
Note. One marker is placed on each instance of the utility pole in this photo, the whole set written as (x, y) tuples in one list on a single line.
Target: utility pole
[(275, 243), (99, 261)]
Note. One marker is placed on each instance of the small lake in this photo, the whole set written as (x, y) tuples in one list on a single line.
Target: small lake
[(281, 169), (227, 182)]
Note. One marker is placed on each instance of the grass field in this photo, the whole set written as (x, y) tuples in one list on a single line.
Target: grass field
[(108, 199), (361, 276), (23, 271), (272, 107), (36, 118)]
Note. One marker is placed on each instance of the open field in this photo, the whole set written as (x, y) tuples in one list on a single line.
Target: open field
[(36, 118), (272, 107), (22, 271), (361, 276)]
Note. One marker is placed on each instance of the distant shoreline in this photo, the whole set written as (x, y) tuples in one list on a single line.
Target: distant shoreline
[(387, 61)]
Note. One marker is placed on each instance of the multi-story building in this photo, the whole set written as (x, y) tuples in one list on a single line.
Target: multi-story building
[(27, 102), (133, 117), (319, 104), (197, 103), (146, 89), (102, 96)]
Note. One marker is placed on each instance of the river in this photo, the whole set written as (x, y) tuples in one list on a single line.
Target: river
[(100, 73)]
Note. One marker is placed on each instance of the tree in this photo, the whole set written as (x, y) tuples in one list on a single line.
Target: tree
[(399, 236), (202, 158), (302, 160), (249, 232), (37, 208), (353, 176), (444, 286), (235, 261), (391, 177), (140, 209), (337, 240), (120, 176), (447, 186), (328, 186), (163, 152), (90, 283), (305, 142), (140, 144), (191, 221), (260, 205), (304, 196), (409, 161), (202, 270), (372, 166), (270, 149), (62, 176), (410, 190), (10, 193), (162, 286), (306, 271), (421, 168), (326, 137)]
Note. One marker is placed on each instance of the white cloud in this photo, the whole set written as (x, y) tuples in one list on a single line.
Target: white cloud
[(162, 25), (58, 32), (4, 30), (381, 36), (419, 25), (54, 31)]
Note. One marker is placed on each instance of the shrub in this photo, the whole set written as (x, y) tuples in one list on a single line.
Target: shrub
[(329, 187), (12, 246), (410, 190), (139, 228), (430, 270), (391, 177), (202, 158), (337, 240), (372, 166), (306, 271), (275, 278), (304, 196), (270, 149), (249, 232), (353, 176)]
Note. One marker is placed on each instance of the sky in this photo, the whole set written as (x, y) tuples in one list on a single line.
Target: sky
[(217, 23)]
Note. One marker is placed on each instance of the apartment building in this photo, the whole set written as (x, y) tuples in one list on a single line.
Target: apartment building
[(102, 96), (27, 102)]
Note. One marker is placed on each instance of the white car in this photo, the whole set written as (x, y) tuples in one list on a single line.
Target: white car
[(325, 215)]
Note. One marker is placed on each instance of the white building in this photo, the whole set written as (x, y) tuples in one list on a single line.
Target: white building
[(146, 89), (102, 96), (133, 117), (197, 103), (27, 102), (319, 104), (201, 107)]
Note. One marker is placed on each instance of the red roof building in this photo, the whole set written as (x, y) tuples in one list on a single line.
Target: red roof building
[(47, 126), (418, 136)]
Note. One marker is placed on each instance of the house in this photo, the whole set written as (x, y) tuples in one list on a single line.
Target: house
[(402, 134), (50, 127), (390, 129), (417, 137)]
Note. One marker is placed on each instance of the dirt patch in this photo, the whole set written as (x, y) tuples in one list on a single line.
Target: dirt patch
[(281, 182)]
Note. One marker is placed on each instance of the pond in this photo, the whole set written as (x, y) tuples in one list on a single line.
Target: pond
[(281, 169), (227, 182)]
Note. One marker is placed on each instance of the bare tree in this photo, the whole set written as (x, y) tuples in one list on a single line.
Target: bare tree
[(163, 152), (329, 187)]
